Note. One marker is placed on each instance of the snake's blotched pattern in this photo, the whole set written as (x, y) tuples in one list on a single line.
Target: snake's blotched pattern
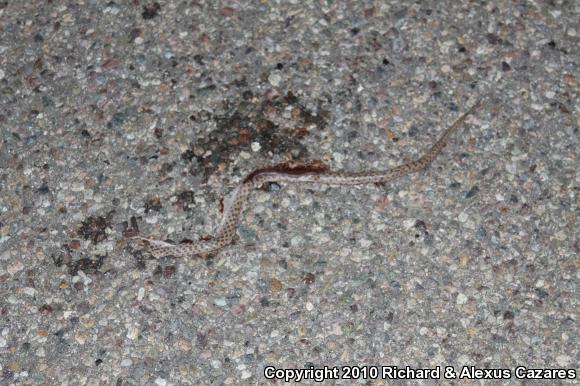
[(316, 173)]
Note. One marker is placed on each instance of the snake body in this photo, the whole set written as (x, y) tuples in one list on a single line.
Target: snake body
[(290, 173)]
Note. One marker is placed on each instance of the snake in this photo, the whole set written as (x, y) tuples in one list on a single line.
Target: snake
[(292, 173)]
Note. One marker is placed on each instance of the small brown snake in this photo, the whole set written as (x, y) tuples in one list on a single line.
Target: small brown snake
[(291, 173)]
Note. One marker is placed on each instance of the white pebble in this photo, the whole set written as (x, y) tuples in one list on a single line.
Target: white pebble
[(256, 146), (563, 360), (345, 252), (132, 332), (16, 267), (511, 167), (296, 241), (561, 235), (141, 294), (220, 302), (461, 299), (80, 339), (29, 291), (275, 79), (151, 220), (365, 243)]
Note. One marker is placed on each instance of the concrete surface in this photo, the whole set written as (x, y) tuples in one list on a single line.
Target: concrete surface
[(127, 116)]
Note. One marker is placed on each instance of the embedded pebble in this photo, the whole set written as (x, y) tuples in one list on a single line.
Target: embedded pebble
[(220, 302), (563, 360), (141, 294), (461, 299), (15, 267), (275, 79)]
